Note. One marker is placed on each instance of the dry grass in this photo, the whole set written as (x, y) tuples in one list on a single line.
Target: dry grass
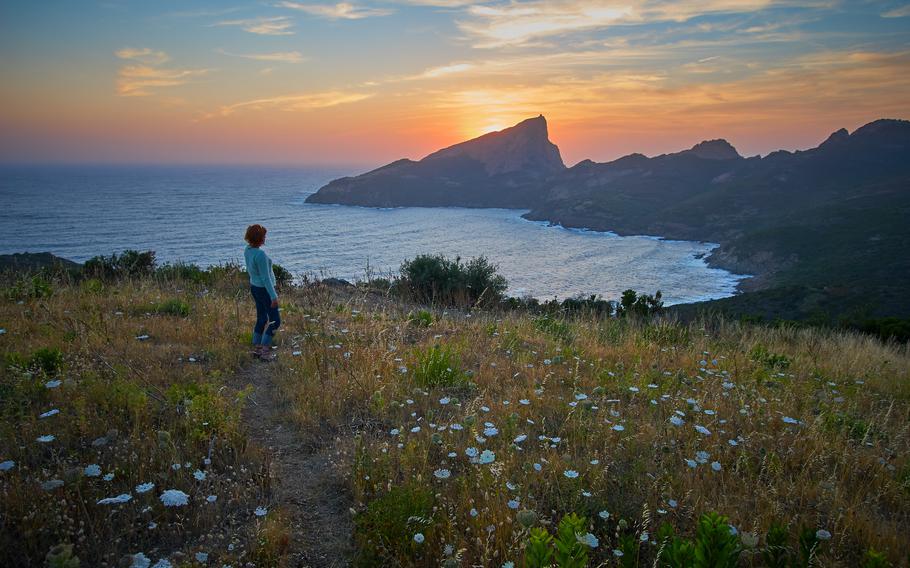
[(136, 411), (842, 468)]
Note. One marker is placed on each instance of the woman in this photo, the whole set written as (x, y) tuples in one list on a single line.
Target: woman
[(262, 286)]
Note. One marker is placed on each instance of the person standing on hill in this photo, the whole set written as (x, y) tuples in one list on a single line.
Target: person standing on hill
[(262, 286)]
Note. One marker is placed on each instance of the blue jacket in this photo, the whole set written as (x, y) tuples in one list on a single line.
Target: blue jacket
[(259, 267)]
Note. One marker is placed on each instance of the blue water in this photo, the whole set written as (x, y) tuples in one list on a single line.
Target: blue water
[(199, 214)]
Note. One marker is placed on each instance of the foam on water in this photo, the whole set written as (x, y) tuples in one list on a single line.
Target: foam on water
[(198, 215)]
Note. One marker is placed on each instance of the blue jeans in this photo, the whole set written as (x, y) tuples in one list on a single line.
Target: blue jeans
[(267, 317)]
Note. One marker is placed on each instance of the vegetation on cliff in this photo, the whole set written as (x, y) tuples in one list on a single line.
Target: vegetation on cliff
[(479, 436)]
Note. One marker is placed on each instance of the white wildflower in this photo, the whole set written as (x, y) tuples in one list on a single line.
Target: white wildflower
[(122, 498), (174, 498)]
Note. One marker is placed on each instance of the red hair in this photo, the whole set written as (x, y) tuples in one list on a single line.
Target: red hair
[(255, 235)]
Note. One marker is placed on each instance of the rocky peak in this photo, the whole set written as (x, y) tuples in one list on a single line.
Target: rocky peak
[(525, 146), (836, 137), (718, 149)]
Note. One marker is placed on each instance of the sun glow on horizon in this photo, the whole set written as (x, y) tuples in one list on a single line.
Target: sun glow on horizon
[(275, 84)]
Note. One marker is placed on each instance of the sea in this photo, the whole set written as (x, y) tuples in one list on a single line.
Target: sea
[(198, 214)]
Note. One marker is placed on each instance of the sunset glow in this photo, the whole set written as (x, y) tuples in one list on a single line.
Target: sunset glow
[(366, 83)]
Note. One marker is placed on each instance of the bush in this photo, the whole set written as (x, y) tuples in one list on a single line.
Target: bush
[(129, 264), (183, 273), (437, 279), (760, 354), (173, 307), (555, 327), (283, 276), (640, 305), (422, 318), (36, 286), (884, 328), (49, 360)]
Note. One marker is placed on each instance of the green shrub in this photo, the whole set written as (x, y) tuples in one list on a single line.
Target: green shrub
[(129, 264), (422, 318), (283, 276), (385, 531), (92, 286), (439, 367), (760, 354), (35, 286), (173, 307), (182, 272), (437, 279), (554, 327), (48, 359), (633, 304), (875, 559), (886, 329)]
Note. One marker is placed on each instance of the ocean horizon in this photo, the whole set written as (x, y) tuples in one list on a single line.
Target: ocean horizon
[(197, 214)]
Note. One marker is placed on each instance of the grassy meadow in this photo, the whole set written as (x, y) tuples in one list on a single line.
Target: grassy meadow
[(479, 438)]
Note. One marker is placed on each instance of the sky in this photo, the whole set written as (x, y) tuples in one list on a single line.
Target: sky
[(322, 83)]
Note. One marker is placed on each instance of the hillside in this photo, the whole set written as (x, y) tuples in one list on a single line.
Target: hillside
[(831, 219), (498, 169), (424, 436)]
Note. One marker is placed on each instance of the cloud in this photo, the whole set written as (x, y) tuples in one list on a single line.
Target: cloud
[(276, 26), (444, 70), (797, 88), (901, 12), (291, 103), (525, 23), (142, 80), (144, 55), (518, 24), (339, 11), (278, 56)]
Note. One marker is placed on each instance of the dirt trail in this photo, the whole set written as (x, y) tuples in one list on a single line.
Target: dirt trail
[(307, 476)]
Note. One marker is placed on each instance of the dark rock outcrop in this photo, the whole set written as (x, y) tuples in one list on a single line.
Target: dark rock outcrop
[(498, 169)]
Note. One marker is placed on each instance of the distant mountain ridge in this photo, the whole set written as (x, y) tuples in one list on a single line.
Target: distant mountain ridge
[(834, 217), (497, 169)]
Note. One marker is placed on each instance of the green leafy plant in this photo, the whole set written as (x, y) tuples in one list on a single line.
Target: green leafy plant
[(675, 552), (875, 559), (715, 544), (539, 553), (776, 552), (570, 553), (173, 307), (422, 318), (47, 359), (760, 354)]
